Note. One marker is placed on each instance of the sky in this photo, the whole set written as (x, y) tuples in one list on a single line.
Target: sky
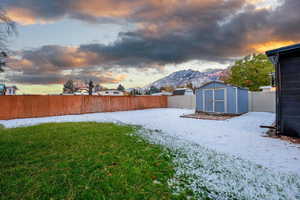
[(135, 42)]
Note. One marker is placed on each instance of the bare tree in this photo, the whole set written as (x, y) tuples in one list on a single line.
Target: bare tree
[(7, 29)]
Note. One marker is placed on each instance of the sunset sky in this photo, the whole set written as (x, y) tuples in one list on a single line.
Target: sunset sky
[(134, 42)]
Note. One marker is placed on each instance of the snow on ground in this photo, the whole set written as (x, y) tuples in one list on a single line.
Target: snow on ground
[(221, 159), (239, 136), (213, 175)]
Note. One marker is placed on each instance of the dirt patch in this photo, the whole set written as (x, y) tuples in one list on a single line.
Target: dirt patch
[(272, 133), (209, 116), (287, 138), (290, 139)]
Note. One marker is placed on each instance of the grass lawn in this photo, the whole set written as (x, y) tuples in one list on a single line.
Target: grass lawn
[(82, 161)]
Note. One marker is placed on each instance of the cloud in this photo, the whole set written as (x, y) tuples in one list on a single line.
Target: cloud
[(31, 11), (169, 32), (56, 64)]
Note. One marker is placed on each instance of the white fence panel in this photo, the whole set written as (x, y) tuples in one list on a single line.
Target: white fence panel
[(262, 102), (188, 102), (258, 102)]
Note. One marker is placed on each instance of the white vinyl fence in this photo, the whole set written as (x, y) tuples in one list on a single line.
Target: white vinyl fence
[(258, 102), (262, 102), (188, 102)]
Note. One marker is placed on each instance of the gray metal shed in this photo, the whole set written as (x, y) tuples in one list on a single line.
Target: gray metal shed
[(218, 97)]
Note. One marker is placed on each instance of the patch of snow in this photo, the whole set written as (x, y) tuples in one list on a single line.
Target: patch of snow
[(240, 136), (219, 176)]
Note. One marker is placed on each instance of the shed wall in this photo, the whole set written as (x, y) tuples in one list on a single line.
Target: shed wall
[(231, 100), (199, 100), (242, 101)]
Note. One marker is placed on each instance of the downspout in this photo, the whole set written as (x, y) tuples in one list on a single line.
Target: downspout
[(278, 97), (275, 60)]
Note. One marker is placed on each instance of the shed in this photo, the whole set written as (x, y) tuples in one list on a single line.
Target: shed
[(218, 97), (287, 65)]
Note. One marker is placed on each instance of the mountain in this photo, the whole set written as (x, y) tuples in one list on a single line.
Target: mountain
[(183, 77)]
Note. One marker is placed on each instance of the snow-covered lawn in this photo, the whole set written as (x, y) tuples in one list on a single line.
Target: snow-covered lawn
[(231, 159), (223, 177), (240, 136)]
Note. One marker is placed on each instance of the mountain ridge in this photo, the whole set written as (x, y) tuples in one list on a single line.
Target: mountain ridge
[(184, 77)]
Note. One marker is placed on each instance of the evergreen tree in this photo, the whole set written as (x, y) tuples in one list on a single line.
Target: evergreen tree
[(91, 87), (69, 87), (121, 88)]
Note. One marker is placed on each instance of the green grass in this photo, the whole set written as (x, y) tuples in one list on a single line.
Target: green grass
[(82, 161)]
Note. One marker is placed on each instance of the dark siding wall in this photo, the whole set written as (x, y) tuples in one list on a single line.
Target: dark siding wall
[(290, 96)]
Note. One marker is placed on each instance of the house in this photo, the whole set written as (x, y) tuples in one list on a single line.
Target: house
[(183, 91), (82, 91), (10, 90), (287, 67), (218, 97), (135, 91), (111, 93), (2, 89), (162, 93)]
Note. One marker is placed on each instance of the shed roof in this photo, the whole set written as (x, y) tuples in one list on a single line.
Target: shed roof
[(287, 49), (221, 82)]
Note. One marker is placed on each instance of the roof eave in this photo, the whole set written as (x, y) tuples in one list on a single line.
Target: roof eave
[(283, 50)]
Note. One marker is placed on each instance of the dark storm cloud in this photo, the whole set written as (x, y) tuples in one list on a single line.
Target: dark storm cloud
[(47, 78), (285, 21), (169, 31), (56, 64)]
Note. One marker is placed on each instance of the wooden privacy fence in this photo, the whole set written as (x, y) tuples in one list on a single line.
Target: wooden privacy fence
[(26, 106)]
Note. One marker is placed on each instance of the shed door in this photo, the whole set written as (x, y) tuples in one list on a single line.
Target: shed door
[(208, 101), (220, 100)]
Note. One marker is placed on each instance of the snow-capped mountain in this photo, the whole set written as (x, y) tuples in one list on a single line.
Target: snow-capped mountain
[(184, 77)]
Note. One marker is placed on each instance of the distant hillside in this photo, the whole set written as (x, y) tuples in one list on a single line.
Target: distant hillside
[(184, 77)]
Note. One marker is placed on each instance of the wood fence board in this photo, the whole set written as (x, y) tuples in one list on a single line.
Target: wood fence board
[(27, 106)]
